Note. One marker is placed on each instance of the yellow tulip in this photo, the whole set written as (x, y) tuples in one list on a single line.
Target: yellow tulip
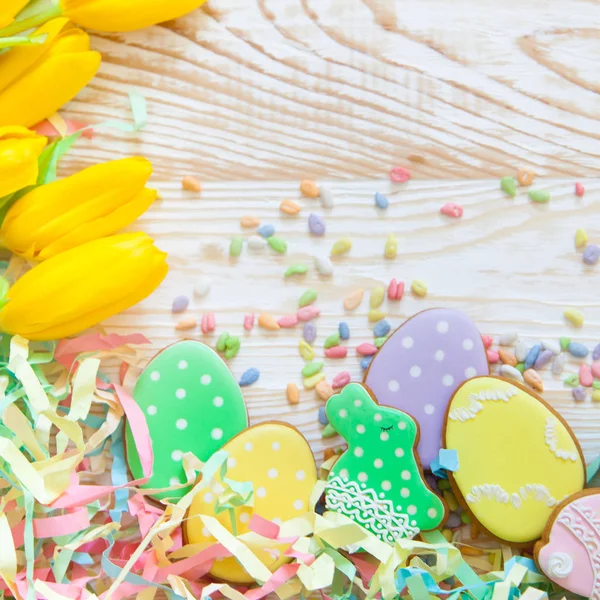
[(79, 288), (19, 152), (10, 9), (91, 204), (36, 80)]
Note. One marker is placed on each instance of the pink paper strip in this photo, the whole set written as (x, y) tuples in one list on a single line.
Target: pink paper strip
[(281, 576), (46, 128), (263, 527)]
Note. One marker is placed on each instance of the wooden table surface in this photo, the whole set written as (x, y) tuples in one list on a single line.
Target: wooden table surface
[(252, 97)]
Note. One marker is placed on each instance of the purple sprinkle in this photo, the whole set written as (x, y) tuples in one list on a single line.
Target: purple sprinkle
[(596, 353), (591, 254), (453, 521), (544, 357), (323, 416), (579, 394), (316, 224), (249, 377), (180, 304), (310, 332)]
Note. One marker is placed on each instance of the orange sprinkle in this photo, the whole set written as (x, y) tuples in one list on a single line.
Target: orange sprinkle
[(508, 358), (353, 300), (191, 184), (525, 177), (310, 188), (324, 390), (267, 321), (533, 379), (470, 551), (249, 222), (289, 208), (292, 393), (329, 452), (186, 324)]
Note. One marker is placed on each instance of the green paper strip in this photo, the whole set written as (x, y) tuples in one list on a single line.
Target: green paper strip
[(29, 542), (417, 588)]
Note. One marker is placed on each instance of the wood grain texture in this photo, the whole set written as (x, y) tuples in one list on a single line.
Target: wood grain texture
[(284, 89)]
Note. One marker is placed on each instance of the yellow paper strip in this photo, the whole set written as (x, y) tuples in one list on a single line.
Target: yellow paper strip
[(84, 386), (14, 419)]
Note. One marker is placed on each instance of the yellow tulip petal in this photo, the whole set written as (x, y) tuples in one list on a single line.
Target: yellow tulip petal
[(69, 41), (44, 89), (116, 15), (19, 162), (10, 9)]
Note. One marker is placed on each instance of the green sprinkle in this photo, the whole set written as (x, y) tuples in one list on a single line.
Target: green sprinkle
[(571, 380), (342, 246), (332, 340), (222, 341), (232, 344), (380, 341), (520, 367), (465, 518), (278, 244), (299, 269), (564, 343), (539, 196), (307, 298), (596, 385), (443, 484), (328, 431), (312, 368), (236, 245), (509, 186)]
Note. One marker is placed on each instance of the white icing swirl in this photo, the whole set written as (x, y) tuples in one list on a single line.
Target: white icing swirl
[(559, 565)]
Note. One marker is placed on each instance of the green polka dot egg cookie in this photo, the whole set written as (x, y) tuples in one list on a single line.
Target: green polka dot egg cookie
[(191, 403), (378, 481)]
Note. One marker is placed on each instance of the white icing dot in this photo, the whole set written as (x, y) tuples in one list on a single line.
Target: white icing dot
[(298, 504), (402, 425), (399, 452), (470, 372), (362, 476), (447, 380), (429, 409), (405, 492), (386, 485), (205, 379), (405, 475), (182, 364), (408, 342), (442, 327), (205, 532), (357, 403), (468, 344), (275, 445), (216, 433), (415, 371), (432, 513), (360, 429), (248, 446), (244, 517), (277, 521), (181, 424), (412, 510), (177, 455), (208, 497), (174, 481), (155, 375), (343, 413), (180, 393), (384, 436), (218, 401), (393, 385), (272, 473), (218, 489), (231, 462), (413, 523), (344, 474), (358, 451), (439, 355), (377, 417), (378, 463), (151, 410), (261, 492), (300, 475)]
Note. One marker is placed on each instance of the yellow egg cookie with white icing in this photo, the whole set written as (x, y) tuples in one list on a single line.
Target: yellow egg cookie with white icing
[(517, 457), (279, 463)]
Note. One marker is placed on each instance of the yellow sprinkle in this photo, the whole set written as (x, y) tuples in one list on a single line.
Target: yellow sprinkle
[(342, 246), (191, 184), (376, 315), (377, 296), (450, 499), (324, 390), (311, 382), (293, 393), (596, 396), (418, 288), (267, 321), (581, 238), (574, 316), (447, 533), (391, 247), (353, 300), (306, 350), (289, 208), (310, 188)]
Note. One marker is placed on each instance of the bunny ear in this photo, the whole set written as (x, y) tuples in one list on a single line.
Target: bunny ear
[(342, 409)]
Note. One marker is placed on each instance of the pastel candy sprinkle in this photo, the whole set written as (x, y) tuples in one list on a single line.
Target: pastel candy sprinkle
[(309, 188), (287, 321), (399, 175), (249, 377), (316, 224), (202, 287), (377, 296), (532, 378), (487, 341), (591, 254), (292, 393), (539, 196), (268, 322), (574, 316), (308, 297), (509, 186), (220, 346), (306, 350), (390, 249), (521, 350), (381, 201), (311, 382), (336, 352), (306, 313), (596, 352), (552, 345), (571, 380), (332, 340), (395, 290), (380, 341), (508, 339), (278, 244), (453, 210), (418, 288), (579, 394), (256, 243), (266, 230), (578, 350), (493, 356), (558, 364), (508, 358), (249, 322), (312, 368), (353, 300), (208, 323), (581, 239), (324, 265), (341, 246), (249, 222), (288, 207), (532, 355), (544, 357), (511, 373), (232, 346), (322, 416), (327, 199), (585, 376), (596, 396), (375, 315), (344, 330), (328, 432), (366, 349), (235, 246), (341, 379), (324, 390), (366, 362), (310, 332), (298, 269), (381, 328), (186, 324), (595, 368), (564, 342), (180, 304), (579, 189)]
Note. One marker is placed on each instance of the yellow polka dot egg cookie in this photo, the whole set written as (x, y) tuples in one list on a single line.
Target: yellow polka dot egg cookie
[(279, 463)]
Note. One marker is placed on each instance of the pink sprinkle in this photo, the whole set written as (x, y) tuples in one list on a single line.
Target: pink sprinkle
[(585, 376), (487, 341), (288, 321), (366, 349), (451, 209), (336, 352), (340, 380), (208, 322), (596, 369), (249, 322), (399, 175), (493, 356), (306, 313), (395, 290), (579, 189)]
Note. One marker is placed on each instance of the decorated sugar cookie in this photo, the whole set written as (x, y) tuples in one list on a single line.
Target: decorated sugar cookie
[(279, 463), (378, 481), (517, 457), (569, 553), (420, 366), (192, 403)]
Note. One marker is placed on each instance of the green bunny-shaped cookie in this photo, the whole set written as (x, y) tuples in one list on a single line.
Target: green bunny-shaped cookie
[(378, 482)]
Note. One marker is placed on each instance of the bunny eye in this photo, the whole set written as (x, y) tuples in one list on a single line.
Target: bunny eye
[(387, 428)]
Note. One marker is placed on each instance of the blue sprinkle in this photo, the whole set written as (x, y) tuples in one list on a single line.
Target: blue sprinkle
[(249, 377), (381, 200), (381, 328), (266, 230), (344, 331), (365, 362), (578, 350), (532, 355), (310, 332), (323, 416)]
